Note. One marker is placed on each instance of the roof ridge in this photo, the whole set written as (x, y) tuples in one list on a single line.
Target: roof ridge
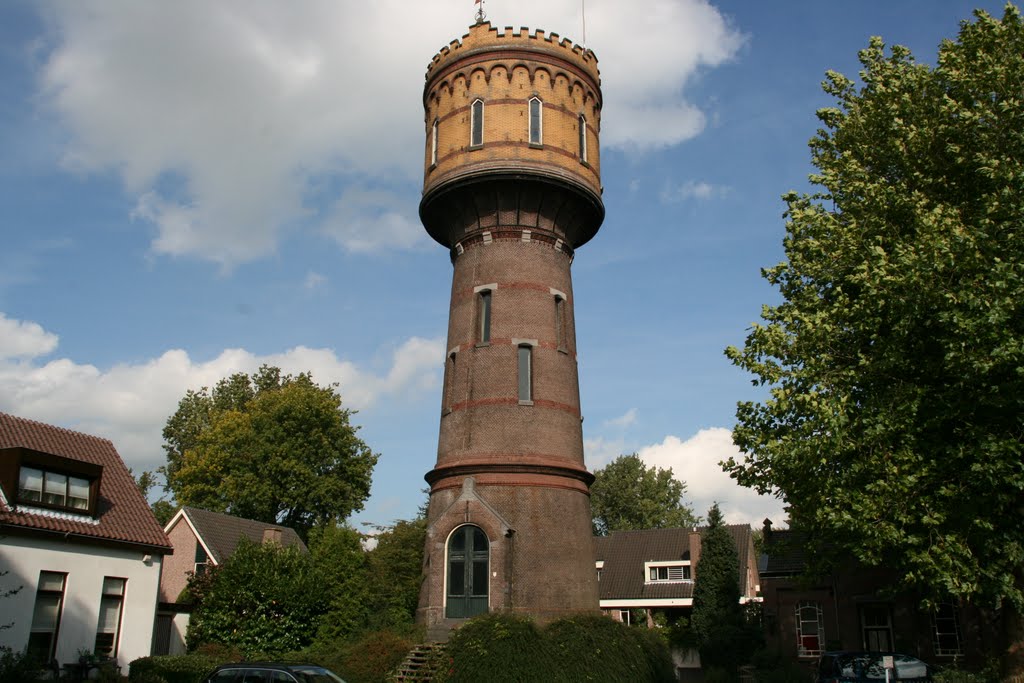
[(37, 423)]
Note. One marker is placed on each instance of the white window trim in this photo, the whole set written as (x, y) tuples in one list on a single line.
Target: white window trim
[(433, 144), (472, 123), (667, 563), (800, 606), (540, 121), (582, 123)]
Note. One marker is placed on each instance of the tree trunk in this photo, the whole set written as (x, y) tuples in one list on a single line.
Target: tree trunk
[(1013, 642)]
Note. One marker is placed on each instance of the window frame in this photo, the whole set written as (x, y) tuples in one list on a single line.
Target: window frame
[(449, 381), (953, 620), (48, 474), (535, 132), (118, 598), (48, 593), (561, 342), (581, 123), (524, 373), (485, 310), (476, 124), (683, 568), (818, 621), (433, 143)]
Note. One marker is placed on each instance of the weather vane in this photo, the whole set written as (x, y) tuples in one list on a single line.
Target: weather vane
[(480, 14)]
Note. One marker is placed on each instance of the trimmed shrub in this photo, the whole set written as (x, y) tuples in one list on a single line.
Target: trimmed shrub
[(172, 668), (368, 659), (498, 648), (16, 667)]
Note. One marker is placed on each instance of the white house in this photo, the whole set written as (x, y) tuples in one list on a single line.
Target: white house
[(79, 543)]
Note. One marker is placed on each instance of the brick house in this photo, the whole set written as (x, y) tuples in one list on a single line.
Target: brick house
[(79, 541), (853, 608), (200, 539), (655, 569)]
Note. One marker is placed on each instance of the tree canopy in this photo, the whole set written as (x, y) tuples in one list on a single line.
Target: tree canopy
[(626, 494), (269, 447), (895, 361)]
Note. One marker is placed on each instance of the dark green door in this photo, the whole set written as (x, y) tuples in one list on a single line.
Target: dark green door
[(467, 573)]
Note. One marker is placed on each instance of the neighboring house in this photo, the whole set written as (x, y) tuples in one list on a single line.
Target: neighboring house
[(202, 539), (655, 569), (854, 608), (79, 539), (649, 571)]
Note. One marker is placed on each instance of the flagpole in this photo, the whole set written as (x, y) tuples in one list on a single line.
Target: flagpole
[(583, 13)]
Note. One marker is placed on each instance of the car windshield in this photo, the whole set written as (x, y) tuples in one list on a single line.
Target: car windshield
[(863, 665), (315, 674)]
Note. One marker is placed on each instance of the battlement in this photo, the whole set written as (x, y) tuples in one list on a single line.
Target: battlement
[(483, 37)]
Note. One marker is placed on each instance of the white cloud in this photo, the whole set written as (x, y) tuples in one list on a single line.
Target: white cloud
[(600, 451), (129, 403), (695, 461), (365, 220), (625, 420), (692, 189), (20, 339), (314, 281), (231, 123)]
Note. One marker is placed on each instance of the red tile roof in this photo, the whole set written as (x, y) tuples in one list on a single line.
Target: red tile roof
[(122, 514)]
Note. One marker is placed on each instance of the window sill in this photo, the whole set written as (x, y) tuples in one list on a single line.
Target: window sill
[(536, 145), (473, 148), (446, 411), (481, 345), (562, 349), (526, 403), (583, 162)]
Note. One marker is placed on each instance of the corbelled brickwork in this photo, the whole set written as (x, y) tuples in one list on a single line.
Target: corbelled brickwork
[(511, 210)]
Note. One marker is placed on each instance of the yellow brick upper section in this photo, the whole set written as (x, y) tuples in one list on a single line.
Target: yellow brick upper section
[(505, 71)]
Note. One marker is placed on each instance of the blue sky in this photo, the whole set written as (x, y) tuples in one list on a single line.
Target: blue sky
[(191, 189)]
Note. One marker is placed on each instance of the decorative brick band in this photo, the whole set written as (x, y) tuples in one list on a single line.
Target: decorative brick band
[(525, 472), (503, 341), (514, 234), (512, 401)]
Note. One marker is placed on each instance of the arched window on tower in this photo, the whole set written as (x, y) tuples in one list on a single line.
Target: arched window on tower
[(583, 138), (449, 382), (483, 316), (476, 125), (433, 144), (560, 322), (536, 121)]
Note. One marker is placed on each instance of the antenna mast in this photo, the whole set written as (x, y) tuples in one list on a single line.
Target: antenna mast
[(480, 14)]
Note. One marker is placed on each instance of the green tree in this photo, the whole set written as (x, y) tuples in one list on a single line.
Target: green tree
[(718, 624), (626, 494), (895, 361), (396, 572), (264, 600), (270, 447), (162, 508), (341, 563)]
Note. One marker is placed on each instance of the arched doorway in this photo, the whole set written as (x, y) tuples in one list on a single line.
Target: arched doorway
[(468, 573)]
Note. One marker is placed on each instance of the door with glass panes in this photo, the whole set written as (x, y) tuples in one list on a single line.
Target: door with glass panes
[(467, 573)]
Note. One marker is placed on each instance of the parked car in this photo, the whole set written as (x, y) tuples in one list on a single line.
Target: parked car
[(271, 672), (863, 667)]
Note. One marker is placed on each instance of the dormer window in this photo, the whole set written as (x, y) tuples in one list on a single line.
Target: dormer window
[(52, 489), (34, 479), (667, 572)]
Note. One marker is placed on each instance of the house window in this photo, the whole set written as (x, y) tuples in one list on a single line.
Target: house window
[(810, 631), (42, 638), (476, 125), (108, 629), (484, 316), (560, 321), (525, 373), (52, 489), (669, 573), (946, 630), (876, 626), (536, 122), (202, 560), (583, 138), (624, 616), (433, 144)]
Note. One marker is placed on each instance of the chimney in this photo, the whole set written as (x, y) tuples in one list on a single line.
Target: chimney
[(272, 536), (766, 531)]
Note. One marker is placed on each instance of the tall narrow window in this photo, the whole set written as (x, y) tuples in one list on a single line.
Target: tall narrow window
[(449, 383), (433, 143), (476, 126), (560, 322), (946, 630), (202, 560), (108, 629), (583, 138), (42, 639), (536, 122), (876, 624), (484, 316), (525, 373), (810, 631)]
